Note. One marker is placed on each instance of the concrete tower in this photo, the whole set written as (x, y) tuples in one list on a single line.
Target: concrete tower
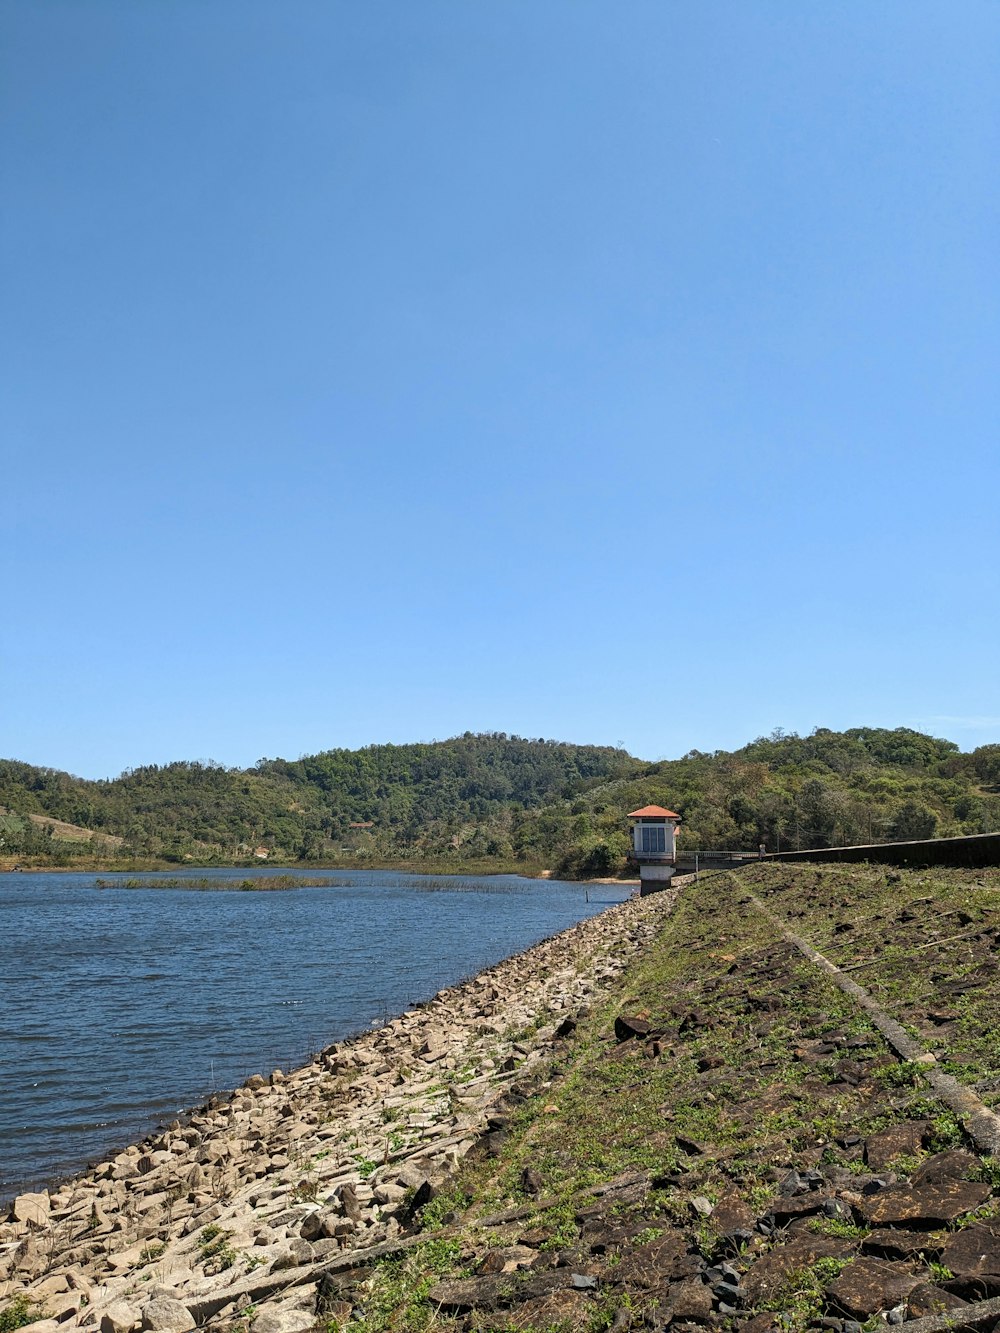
[(654, 846)]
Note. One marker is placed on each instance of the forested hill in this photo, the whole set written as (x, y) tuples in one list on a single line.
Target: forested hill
[(510, 801), (407, 798)]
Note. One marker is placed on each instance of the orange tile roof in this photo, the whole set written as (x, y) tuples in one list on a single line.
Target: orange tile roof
[(653, 812)]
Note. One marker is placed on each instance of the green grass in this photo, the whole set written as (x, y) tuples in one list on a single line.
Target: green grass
[(736, 1088), (902, 961), (19, 1312), (799, 1298), (215, 1251), (395, 1295)]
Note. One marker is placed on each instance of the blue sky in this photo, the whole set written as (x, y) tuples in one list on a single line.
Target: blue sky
[(618, 373)]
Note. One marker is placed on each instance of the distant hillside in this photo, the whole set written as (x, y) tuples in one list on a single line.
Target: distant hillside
[(383, 800), (788, 791), (510, 801)]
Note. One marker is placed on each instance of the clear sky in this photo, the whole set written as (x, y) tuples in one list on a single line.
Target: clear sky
[(609, 372)]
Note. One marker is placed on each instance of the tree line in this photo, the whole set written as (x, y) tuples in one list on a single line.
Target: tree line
[(514, 801)]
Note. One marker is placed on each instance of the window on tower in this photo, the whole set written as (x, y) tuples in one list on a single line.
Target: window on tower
[(654, 838)]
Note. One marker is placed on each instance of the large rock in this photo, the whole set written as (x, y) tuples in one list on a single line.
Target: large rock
[(120, 1317), (897, 1141), (30, 1260), (347, 1197), (868, 1286), (557, 1310), (655, 1264), (50, 1286), (435, 1046), (283, 1319), (507, 1259), (732, 1217), (926, 1299), (166, 1316), (461, 1295), (628, 1026), (930, 1205), (784, 1210), (897, 1243), (691, 1299), (33, 1209), (955, 1164), (974, 1253), (295, 1254), (66, 1305), (388, 1193)]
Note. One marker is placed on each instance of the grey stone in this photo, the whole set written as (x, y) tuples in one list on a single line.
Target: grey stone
[(791, 1184), (297, 1253), (166, 1316), (347, 1197), (283, 1320), (120, 1317), (388, 1194), (33, 1209), (313, 1226)]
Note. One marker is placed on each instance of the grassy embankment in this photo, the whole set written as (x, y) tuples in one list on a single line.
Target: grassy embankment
[(755, 1066)]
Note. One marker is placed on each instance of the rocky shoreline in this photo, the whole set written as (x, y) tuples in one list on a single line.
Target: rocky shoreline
[(247, 1203)]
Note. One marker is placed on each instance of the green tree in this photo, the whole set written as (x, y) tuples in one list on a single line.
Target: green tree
[(913, 821)]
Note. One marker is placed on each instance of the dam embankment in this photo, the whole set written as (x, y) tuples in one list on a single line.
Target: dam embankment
[(767, 1104)]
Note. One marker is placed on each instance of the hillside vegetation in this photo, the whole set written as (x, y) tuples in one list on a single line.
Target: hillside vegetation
[(506, 801)]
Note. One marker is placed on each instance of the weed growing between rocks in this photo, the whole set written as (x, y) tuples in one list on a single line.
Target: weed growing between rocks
[(395, 1295), (20, 1312), (216, 1254)]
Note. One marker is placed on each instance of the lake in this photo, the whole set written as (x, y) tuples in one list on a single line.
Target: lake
[(120, 1008)]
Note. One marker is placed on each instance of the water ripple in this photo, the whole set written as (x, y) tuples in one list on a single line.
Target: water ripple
[(125, 1006)]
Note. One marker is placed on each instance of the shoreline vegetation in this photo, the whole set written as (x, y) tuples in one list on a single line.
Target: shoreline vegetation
[(683, 1111), (206, 884), (440, 868), (275, 883)]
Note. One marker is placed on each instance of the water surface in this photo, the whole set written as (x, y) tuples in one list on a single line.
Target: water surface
[(120, 1008)]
